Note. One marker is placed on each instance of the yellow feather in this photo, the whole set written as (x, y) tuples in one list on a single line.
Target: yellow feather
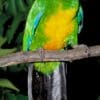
[(58, 27)]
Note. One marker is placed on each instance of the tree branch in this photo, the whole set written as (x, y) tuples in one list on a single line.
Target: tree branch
[(79, 52)]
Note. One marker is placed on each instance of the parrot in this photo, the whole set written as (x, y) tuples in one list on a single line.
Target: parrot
[(52, 25)]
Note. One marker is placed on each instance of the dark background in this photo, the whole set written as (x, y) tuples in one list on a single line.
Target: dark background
[(84, 75)]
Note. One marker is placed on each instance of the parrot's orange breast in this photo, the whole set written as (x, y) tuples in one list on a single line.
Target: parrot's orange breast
[(57, 28)]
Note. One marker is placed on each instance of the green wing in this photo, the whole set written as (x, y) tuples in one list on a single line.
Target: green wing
[(80, 19), (33, 19), (78, 25)]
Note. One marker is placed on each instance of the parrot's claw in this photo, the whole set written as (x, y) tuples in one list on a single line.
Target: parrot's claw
[(79, 46), (41, 53)]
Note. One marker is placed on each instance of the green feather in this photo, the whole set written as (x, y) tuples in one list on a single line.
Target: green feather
[(46, 67)]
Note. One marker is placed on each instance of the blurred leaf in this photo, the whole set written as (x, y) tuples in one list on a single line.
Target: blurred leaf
[(17, 68), (10, 96), (4, 52), (22, 97), (98, 98), (21, 6), (2, 41), (3, 19), (19, 38), (1, 5), (13, 27), (11, 9), (30, 2), (5, 83)]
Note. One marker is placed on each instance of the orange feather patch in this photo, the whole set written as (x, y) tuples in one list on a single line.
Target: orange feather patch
[(58, 27)]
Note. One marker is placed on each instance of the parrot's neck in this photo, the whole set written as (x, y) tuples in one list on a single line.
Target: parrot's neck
[(70, 3), (65, 3)]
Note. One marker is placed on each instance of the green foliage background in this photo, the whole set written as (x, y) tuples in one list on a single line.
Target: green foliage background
[(13, 14)]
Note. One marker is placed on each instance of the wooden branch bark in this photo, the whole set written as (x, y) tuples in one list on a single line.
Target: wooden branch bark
[(77, 53)]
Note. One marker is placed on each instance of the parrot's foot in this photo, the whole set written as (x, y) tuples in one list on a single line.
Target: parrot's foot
[(84, 47), (79, 46), (41, 53)]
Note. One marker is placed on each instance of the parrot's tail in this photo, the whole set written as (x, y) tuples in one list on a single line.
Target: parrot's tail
[(57, 84), (30, 71)]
